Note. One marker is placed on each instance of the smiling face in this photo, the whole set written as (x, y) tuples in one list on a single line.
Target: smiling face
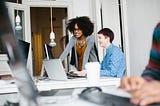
[(103, 41), (77, 32)]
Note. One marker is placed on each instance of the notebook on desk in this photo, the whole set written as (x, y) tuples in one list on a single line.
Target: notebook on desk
[(56, 71)]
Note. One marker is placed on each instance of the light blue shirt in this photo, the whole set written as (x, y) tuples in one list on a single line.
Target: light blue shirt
[(113, 64)]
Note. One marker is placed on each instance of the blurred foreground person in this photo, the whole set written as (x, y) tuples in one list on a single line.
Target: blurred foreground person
[(146, 89)]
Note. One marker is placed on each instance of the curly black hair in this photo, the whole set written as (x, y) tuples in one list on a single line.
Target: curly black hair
[(83, 23)]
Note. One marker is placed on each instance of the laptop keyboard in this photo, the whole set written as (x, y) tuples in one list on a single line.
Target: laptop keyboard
[(105, 99)]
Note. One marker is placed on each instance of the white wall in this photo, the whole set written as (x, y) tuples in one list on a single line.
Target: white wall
[(142, 16), (81, 8), (110, 19), (110, 15)]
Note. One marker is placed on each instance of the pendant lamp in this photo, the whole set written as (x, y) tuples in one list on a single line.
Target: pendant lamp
[(52, 35), (18, 20)]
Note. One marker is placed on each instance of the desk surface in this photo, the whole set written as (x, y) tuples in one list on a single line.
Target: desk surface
[(69, 97), (74, 83), (43, 85), (73, 99)]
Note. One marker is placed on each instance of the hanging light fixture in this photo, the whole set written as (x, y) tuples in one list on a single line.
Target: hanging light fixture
[(18, 20), (52, 35)]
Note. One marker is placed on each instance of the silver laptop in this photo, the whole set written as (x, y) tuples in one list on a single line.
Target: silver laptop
[(55, 69), (23, 80)]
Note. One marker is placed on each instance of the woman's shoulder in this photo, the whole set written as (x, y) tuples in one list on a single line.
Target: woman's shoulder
[(73, 39), (90, 38)]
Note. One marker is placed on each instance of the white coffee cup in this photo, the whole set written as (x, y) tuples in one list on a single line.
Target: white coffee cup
[(93, 73)]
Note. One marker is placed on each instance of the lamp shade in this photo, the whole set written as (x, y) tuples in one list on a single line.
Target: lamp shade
[(18, 20), (52, 37)]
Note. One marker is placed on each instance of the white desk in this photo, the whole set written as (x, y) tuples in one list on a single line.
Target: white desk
[(44, 85), (5, 69), (75, 83), (74, 100), (7, 87), (70, 99)]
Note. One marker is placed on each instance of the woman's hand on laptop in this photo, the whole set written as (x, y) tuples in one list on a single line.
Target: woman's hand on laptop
[(71, 71), (79, 73)]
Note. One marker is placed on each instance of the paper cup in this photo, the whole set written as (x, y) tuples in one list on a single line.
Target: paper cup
[(93, 73)]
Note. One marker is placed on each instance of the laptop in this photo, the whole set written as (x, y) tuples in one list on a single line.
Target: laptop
[(104, 99), (56, 71), (23, 80)]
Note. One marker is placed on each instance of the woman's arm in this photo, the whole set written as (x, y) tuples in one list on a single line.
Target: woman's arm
[(90, 44), (68, 48), (153, 67)]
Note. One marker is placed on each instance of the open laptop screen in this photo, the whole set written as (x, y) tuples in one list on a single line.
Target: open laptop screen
[(23, 80), (48, 52), (24, 46)]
